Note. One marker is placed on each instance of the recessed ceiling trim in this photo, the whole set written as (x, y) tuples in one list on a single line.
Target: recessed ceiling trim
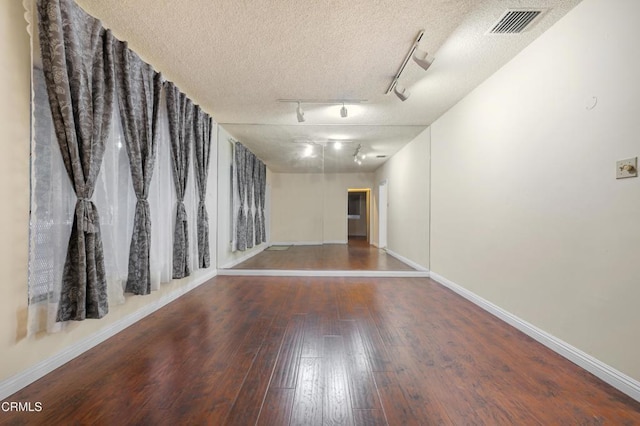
[(515, 21)]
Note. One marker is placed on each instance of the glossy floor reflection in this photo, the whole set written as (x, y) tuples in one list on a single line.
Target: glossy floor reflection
[(313, 351), (357, 255)]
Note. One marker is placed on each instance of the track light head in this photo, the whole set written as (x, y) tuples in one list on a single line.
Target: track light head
[(300, 113), (343, 111), (401, 92), (420, 58)]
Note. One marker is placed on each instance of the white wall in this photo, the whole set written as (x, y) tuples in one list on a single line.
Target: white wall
[(226, 257), (312, 207), (407, 173), (19, 353), (526, 210)]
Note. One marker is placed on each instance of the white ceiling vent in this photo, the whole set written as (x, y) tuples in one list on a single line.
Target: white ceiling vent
[(515, 21)]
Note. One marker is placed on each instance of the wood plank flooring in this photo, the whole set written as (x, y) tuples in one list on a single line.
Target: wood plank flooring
[(358, 255), (330, 351)]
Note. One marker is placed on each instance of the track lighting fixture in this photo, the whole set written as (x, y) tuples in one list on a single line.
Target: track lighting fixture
[(401, 92), (300, 113), (419, 57), (343, 111), (358, 156)]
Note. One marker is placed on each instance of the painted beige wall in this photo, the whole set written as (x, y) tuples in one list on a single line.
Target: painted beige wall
[(311, 207), (19, 353), (407, 173), (14, 185), (526, 210)]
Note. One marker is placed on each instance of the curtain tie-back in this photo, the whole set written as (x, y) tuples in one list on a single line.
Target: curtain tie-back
[(202, 211), (87, 215), (182, 212)]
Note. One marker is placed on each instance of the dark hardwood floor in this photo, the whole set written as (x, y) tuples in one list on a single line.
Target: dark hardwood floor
[(357, 254), (311, 351)]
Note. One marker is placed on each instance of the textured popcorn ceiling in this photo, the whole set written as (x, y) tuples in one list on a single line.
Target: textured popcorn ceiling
[(237, 57)]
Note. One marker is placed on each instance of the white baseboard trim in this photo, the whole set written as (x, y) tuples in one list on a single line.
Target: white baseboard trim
[(13, 384), (247, 256), (336, 242), (297, 243), (615, 378), (315, 273), (411, 263)]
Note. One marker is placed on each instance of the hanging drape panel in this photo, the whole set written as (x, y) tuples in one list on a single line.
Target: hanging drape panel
[(248, 170), (180, 110), (256, 198), (138, 87), (241, 179), (263, 188), (250, 179), (203, 125), (77, 60)]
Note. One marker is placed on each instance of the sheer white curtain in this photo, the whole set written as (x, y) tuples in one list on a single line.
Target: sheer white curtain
[(53, 201)]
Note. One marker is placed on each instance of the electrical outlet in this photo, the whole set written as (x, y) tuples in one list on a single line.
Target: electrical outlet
[(627, 168)]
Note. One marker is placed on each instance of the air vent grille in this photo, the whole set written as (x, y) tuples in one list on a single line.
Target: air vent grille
[(381, 156), (514, 21)]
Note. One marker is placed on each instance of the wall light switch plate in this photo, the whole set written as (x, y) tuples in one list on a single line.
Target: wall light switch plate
[(627, 168)]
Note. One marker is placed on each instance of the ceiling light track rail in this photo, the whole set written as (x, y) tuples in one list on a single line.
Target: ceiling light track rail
[(405, 62), (420, 57), (324, 101)]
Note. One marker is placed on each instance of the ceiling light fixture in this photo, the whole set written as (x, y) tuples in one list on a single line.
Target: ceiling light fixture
[(420, 57), (401, 92), (337, 146), (358, 156), (308, 152), (343, 102), (300, 113), (343, 111)]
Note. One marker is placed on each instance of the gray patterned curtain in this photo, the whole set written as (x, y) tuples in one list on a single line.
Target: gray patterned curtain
[(77, 57), (203, 151), (139, 88), (256, 197), (241, 222), (248, 169), (180, 111), (263, 189)]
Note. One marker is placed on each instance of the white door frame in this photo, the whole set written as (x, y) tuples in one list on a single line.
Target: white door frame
[(383, 204)]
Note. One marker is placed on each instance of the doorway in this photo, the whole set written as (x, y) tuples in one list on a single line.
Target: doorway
[(358, 216), (382, 214)]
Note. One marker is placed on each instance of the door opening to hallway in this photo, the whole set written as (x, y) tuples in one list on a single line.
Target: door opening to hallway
[(358, 206)]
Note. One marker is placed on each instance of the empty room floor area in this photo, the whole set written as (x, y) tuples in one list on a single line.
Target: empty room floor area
[(356, 255), (317, 350)]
